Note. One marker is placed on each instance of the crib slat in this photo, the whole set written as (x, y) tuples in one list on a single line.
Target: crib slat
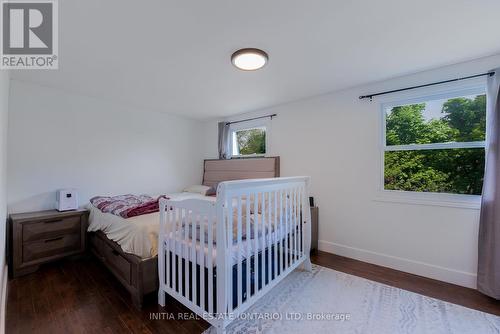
[(295, 225), (182, 236), (161, 252), (256, 241), (173, 263), (177, 246), (201, 253), (194, 237), (221, 259), (287, 228), (239, 289), (303, 206), (247, 244), (269, 236), (264, 238), (282, 234), (291, 227), (230, 246), (229, 267), (174, 245), (299, 221), (211, 296), (166, 239), (275, 239), (182, 244), (175, 282), (185, 252)]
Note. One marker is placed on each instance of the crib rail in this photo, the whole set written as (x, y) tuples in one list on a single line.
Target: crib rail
[(220, 257), (185, 250)]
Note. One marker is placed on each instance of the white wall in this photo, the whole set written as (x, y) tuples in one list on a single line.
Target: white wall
[(62, 140), (336, 139), (4, 104)]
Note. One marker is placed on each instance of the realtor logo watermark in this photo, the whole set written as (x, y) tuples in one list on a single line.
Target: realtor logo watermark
[(29, 34)]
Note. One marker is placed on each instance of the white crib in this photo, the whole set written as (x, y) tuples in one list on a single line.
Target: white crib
[(219, 257)]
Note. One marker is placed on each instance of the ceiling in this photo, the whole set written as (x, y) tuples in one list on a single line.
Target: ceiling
[(174, 56)]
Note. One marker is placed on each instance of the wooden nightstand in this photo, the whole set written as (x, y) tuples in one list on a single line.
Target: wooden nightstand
[(39, 237)]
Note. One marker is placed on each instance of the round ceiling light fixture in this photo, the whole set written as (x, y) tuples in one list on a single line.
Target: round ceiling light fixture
[(249, 59)]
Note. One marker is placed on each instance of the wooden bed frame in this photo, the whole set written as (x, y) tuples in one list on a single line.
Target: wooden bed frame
[(140, 276)]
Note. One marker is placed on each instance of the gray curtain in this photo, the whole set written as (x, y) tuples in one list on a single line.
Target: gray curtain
[(488, 270), (223, 140)]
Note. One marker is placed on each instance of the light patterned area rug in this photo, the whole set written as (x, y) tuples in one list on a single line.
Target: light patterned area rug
[(327, 301)]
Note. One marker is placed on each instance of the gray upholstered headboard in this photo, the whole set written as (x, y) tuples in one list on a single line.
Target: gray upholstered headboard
[(216, 171)]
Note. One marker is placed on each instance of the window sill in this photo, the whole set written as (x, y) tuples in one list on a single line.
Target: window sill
[(442, 200)]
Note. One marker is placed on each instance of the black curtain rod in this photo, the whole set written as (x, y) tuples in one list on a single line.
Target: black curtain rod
[(251, 119), (370, 96)]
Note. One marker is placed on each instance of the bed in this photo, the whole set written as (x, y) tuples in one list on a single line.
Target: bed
[(219, 257), (129, 251)]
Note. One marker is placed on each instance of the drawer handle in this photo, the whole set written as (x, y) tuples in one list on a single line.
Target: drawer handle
[(53, 239), (52, 221), (115, 252)]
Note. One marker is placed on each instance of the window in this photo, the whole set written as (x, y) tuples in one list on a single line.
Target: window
[(248, 142), (249, 139), (436, 144)]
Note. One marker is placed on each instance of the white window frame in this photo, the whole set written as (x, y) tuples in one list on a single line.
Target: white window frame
[(477, 87), (248, 125)]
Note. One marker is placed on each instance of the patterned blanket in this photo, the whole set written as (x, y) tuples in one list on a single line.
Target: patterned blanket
[(127, 206)]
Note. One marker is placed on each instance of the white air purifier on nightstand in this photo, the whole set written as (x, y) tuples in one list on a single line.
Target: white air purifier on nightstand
[(66, 199)]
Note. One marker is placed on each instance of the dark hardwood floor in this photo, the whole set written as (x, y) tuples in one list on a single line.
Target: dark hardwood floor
[(81, 296)]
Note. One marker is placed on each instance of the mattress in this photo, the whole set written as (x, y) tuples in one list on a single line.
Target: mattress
[(247, 247), (136, 235), (139, 235), (261, 237)]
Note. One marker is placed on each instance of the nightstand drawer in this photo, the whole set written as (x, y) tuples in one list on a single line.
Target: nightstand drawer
[(51, 246), (51, 228)]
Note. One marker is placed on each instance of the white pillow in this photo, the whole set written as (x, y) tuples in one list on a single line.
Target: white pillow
[(197, 189)]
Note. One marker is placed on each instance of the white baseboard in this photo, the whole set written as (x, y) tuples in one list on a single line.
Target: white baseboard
[(449, 275), (3, 301)]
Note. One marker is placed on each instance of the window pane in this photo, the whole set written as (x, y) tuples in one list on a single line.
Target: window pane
[(249, 141), (461, 119), (458, 171)]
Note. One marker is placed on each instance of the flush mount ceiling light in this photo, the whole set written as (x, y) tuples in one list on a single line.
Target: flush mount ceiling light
[(249, 59)]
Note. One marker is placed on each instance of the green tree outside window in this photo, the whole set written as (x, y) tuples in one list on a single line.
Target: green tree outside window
[(251, 141), (457, 171)]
